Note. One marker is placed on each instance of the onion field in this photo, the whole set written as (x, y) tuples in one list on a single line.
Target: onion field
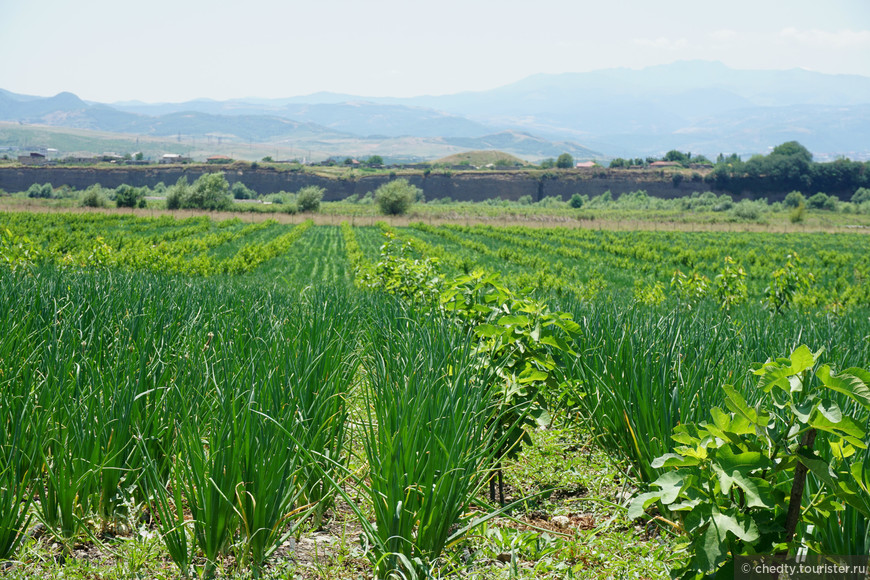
[(193, 398)]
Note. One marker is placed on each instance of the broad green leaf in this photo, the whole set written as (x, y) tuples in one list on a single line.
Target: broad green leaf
[(846, 427), (673, 460), (745, 530), (514, 320), (803, 358), (536, 332), (671, 484), (639, 503), (841, 449), (744, 462), (532, 375), (737, 404), (860, 475), (721, 419), (818, 467), (487, 330), (848, 383)]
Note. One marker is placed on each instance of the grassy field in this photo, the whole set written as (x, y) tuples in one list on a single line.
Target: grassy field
[(238, 396)]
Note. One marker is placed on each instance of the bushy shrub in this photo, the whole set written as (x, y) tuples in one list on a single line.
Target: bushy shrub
[(551, 201), (576, 201), (862, 195), (128, 196), (308, 198), (210, 192), (794, 199), (241, 191), (525, 200), (749, 210), (817, 201), (37, 191), (94, 197), (396, 197)]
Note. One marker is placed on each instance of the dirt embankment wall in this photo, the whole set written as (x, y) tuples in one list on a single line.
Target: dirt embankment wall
[(459, 186)]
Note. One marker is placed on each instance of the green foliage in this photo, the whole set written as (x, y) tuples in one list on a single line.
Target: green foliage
[(736, 483), (787, 281), (794, 199), (650, 294), (240, 191), (818, 201), (417, 282), (44, 191), (128, 196), (375, 161), (565, 161), (94, 197), (396, 197), (308, 198), (797, 214), (730, 285), (690, 289), (210, 192), (862, 195), (175, 194), (576, 201), (793, 149), (677, 157)]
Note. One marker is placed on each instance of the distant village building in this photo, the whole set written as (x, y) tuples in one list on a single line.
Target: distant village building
[(585, 164), (33, 158), (174, 158), (79, 159), (218, 159)]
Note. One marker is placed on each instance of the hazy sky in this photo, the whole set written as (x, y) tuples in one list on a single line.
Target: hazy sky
[(177, 50)]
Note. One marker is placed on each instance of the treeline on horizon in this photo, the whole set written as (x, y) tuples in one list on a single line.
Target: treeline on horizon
[(788, 167)]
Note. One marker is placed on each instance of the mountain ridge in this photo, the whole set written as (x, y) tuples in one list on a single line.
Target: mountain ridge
[(618, 112)]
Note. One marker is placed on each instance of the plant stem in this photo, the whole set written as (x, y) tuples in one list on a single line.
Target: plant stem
[(797, 488)]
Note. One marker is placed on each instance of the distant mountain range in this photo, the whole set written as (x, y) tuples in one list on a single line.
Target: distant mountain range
[(697, 106)]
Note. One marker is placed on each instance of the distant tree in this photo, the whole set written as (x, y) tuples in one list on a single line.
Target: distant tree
[(241, 191), (675, 156), (793, 149), (176, 193), (44, 191), (548, 163), (794, 199), (375, 161), (267, 159), (619, 163), (862, 195), (396, 197), (211, 192), (576, 201), (139, 156), (818, 201), (565, 161), (308, 198), (93, 197), (348, 160), (128, 196)]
